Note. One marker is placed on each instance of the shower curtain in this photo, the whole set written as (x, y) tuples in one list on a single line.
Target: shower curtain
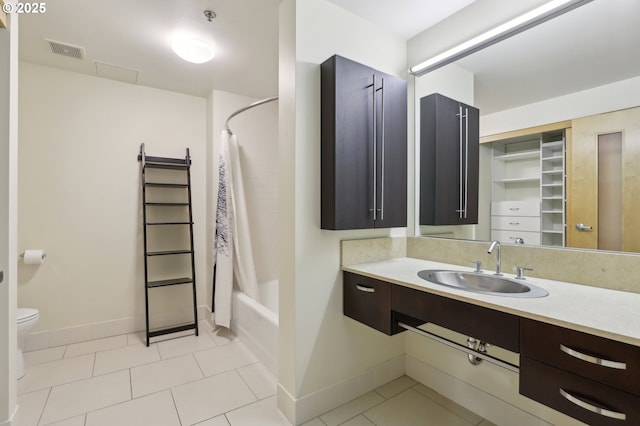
[(233, 254)]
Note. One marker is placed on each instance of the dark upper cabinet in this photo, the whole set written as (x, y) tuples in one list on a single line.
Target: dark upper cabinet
[(449, 155), (364, 147)]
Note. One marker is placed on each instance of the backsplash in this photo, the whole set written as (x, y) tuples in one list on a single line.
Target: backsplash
[(616, 271)]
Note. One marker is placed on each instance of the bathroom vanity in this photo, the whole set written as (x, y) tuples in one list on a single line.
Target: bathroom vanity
[(577, 355)]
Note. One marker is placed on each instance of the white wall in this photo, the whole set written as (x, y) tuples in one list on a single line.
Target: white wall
[(80, 196), (320, 347), (8, 218)]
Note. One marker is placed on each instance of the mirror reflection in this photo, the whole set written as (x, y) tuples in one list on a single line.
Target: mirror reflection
[(560, 134)]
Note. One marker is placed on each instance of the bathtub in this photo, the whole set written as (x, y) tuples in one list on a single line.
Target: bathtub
[(257, 324)]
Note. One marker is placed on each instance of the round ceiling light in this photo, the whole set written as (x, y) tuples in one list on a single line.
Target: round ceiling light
[(193, 50)]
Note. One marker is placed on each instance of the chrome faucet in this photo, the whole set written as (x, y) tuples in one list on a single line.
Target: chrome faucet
[(493, 245)]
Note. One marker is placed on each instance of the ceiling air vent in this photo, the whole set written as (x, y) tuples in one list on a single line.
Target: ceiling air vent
[(65, 49)]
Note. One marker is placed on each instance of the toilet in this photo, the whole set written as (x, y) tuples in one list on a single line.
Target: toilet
[(27, 319)]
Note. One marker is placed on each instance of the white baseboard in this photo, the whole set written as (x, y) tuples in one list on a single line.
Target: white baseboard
[(81, 333), (13, 420), (303, 409)]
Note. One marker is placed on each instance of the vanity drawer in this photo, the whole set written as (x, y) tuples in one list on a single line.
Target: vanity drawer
[(488, 325), (576, 396), (516, 223), (515, 208), (607, 361), (367, 300), (530, 238)]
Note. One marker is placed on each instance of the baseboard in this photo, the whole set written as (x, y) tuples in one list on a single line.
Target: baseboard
[(98, 330), (305, 408), (13, 420)]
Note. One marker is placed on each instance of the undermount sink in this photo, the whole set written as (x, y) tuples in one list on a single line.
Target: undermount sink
[(482, 283)]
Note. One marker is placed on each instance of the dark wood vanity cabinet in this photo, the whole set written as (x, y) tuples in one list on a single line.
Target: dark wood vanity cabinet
[(363, 147), (368, 301), (490, 326), (449, 161), (593, 379)]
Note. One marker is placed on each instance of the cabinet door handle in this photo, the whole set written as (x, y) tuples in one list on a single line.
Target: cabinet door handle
[(466, 161), (365, 288), (382, 153), (592, 407), (460, 208), (375, 154), (592, 359)]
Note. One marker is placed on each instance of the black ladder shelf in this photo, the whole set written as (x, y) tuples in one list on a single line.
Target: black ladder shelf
[(166, 184)]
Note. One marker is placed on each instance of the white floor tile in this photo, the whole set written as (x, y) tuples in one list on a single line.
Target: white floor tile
[(97, 345), (225, 358), (351, 409), (162, 375), (54, 373), (396, 386), (157, 410), (137, 338), (314, 422), (223, 336), (125, 357), (74, 421), (43, 355), (216, 421), (185, 345), (72, 399), (261, 413), (31, 406), (412, 409), (359, 421), (468, 415), (210, 397), (259, 379)]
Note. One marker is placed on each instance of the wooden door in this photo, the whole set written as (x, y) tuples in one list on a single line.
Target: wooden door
[(590, 196)]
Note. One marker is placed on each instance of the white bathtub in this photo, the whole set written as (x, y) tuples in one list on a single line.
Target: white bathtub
[(257, 324)]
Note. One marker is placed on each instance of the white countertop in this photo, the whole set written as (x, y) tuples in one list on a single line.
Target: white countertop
[(602, 312)]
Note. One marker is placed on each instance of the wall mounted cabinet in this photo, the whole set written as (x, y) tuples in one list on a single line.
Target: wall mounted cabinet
[(449, 161), (364, 147)]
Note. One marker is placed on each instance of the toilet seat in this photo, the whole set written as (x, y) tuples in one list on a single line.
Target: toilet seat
[(26, 314)]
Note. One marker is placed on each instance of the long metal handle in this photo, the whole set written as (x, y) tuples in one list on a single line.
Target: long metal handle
[(365, 288), (591, 407), (592, 359), (375, 153), (460, 208), (382, 156), (466, 161), (583, 227)]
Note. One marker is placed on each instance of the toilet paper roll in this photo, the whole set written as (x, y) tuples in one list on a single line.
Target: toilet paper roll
[(34, 257)]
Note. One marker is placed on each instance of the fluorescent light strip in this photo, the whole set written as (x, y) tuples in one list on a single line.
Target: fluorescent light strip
[(517, 25)]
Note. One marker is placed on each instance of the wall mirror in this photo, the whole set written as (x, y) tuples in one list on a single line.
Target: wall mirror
[(589, 50)]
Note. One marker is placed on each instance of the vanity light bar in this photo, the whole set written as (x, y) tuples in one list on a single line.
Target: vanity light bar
[(523, 22)]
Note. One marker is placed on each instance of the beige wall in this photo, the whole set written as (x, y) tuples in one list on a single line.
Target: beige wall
[(8, 217), (80, 197), (318, 345)]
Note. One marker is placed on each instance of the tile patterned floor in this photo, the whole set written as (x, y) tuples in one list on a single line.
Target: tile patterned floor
[(209, 380)]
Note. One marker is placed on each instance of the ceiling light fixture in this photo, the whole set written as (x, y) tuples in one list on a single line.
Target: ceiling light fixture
[(528, 20), (193, 49)]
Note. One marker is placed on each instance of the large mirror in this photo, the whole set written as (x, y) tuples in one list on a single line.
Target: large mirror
[(580, 64)]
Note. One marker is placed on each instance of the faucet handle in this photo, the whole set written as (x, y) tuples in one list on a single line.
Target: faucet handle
[(478, 265), (520, 272)]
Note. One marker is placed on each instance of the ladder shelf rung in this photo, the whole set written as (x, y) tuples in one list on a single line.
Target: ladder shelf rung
[(169, 223), (170, 330), (169, 282), (168, 252), (166, 185)]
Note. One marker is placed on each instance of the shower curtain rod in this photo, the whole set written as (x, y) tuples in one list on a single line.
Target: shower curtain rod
[(241, 110)]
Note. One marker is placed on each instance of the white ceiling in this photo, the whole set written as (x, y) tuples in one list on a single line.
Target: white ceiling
[(592, 45)]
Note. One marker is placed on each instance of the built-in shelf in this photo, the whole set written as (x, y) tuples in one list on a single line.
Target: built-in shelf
[(530, 169)]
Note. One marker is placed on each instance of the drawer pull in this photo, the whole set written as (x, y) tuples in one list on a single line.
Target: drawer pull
[(514, 223), (365, 289), (514, 209), (593, 408), (593, 359)]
